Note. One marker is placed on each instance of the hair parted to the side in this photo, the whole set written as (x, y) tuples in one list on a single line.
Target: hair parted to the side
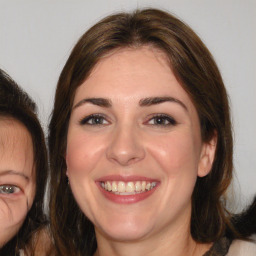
[(16, 104), (197, 73)]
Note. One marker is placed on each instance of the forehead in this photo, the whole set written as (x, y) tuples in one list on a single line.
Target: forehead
[(16, 148), (130, 74), (126, 66)]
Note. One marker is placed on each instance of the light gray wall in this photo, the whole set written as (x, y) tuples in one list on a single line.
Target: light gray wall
[(36, 38)]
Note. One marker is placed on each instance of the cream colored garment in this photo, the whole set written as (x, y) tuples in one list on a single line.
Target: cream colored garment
[(242, 248)]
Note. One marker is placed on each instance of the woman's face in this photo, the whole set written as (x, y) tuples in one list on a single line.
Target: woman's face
[(17, 182), (134, 149)]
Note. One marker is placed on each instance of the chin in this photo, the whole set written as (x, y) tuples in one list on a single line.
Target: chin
[(125, 228), (126, 232)]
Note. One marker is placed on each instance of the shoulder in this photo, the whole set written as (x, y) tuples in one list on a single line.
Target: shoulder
[(240, 247)]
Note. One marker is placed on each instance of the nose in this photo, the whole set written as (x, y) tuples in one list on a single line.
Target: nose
[(126, 146)]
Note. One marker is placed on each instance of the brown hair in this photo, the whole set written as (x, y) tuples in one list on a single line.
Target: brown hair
[(197, 73), (16, 104)]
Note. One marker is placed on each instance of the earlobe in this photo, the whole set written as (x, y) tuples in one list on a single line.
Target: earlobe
[(207, 156)]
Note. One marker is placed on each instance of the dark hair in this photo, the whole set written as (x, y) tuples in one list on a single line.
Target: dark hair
[(197, 72), (17, 105), (245, 222)]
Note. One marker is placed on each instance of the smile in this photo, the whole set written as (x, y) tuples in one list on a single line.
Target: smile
[(127, 188)]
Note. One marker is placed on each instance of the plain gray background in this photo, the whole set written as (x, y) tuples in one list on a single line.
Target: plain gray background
[(37, 36)]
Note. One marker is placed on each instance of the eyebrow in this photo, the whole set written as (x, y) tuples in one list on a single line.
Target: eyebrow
[(145, 102), (158, 100), (101, 102), (12, 172)]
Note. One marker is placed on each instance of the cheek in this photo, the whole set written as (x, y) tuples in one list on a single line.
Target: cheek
[(176, 154), (12, 216), (83, 153), (177, 157)]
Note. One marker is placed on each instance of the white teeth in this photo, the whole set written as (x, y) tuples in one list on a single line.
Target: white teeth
[(109, 187), (114, 186), (138, 186), (143, 185), (130, 187), (148, 186), (127, 188), (121, 187)]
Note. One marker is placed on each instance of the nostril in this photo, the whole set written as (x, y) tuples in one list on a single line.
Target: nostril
[(125, 157)]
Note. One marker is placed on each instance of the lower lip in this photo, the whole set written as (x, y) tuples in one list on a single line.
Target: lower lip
[(126, 199)]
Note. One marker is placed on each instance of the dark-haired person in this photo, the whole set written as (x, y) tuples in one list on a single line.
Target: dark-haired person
[(140, 143), (23, 173)]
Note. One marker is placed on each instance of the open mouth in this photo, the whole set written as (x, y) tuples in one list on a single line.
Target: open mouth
[(127, 188)]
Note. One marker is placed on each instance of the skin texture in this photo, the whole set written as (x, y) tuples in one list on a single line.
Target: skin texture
[(16, 173), (128, 142)]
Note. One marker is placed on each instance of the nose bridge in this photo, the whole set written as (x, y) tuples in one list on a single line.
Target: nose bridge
[(125, 147)]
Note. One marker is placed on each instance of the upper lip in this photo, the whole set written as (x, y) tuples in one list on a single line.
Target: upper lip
[(125, 178)]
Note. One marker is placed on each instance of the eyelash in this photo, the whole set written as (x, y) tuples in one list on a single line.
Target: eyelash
[(163, 117), (98, 119), (92, 118), (9, 189)]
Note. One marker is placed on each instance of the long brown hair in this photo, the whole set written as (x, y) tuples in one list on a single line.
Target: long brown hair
[(16, 104), (197, 72)]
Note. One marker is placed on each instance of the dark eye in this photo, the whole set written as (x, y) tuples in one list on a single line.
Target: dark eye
[(9, 189), (94, 120), (162, 120)]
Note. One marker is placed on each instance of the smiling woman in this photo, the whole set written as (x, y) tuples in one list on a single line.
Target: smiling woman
[(23, 170), (141, 148), (141, 128)]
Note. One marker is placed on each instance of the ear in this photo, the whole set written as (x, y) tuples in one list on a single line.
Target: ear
[(207, 156)]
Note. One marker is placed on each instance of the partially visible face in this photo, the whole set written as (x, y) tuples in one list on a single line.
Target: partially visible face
[(134, 149), (17, 181)]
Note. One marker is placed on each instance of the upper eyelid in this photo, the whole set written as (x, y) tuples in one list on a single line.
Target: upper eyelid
[(20, 184), (161, 115), (9, 184), (94, 115)]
